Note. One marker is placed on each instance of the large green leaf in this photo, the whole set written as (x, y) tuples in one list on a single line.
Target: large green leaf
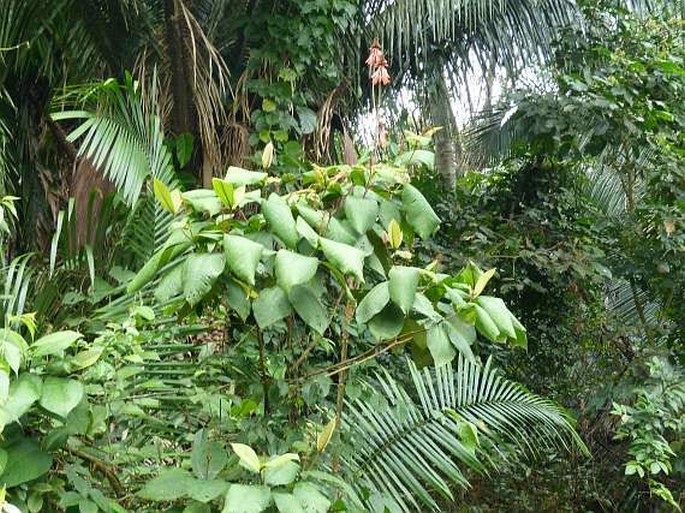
[(25, 462), (200, 271), (148, 272), (170, 485), (281, 221), (61, 395), (282, 474), (403, 284), (239, 177), (294, 269), (458, 340), (388, 323), (247, 499), (237, 299), (373, 302), (499, 313), (486, 326), (54, 343), (345, 258), (208, 457), (206, 491), (287, 503), (418, 212), (271, 306), (248, 457), (308, 306), (203, 200), (24, 392), (170, 286), (361, 212), (312, 500), (242, 257)]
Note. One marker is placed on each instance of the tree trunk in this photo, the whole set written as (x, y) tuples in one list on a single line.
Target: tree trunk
[(184, 116), (445, 140)]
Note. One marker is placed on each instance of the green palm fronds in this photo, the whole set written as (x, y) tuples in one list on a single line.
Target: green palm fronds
[(417, 446)]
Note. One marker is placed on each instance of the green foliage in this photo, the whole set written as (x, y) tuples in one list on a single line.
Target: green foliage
[(658, 412), (411, 448)]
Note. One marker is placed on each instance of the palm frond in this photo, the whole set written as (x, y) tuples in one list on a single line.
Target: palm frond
[(505, 30), (123, 138), (17, 278), (413, 448)]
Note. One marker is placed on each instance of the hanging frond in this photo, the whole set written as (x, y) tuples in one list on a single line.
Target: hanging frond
[(506, 30), (413, 448)]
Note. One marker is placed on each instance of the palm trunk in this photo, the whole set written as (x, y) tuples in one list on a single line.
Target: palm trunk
[(183, 112), (445, 140)]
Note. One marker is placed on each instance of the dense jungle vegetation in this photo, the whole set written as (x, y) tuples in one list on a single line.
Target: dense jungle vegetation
[(303, 256)]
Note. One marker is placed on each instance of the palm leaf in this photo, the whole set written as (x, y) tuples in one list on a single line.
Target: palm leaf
[(123, 138), (413, 449)]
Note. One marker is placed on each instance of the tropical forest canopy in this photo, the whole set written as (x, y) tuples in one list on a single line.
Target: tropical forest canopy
[(303, 256)]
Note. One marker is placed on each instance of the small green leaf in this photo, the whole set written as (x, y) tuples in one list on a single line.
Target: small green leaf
[(308, 306), (403, 283), (312, 500), (207, 458), (163, 195), (203, 200), (224, 190), (206, 491), (395, 234), (499, 313), (373, 302), (482, 282), (86, 358), (485, 325), (184, 148), (54, 343), (23, 393), (418, 212), (271, 306), (307, 232), (237, 299), (282, 459), (287, 503), (242, 257), (280, 220), (439, 345), (326, 435), (248, 458), (387, 324)]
